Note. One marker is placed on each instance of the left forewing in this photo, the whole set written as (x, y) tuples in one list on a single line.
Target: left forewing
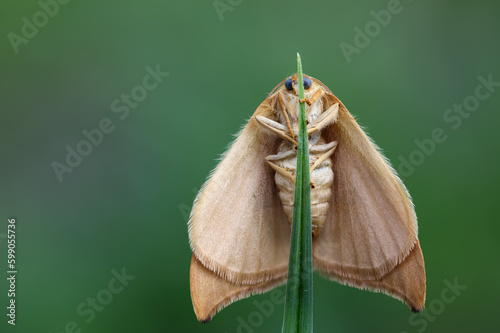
[(237, 227)]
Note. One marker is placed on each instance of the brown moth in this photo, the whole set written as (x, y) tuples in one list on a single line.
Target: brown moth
[(363, 221)]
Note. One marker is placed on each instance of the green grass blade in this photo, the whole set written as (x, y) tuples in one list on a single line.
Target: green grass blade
[(298, 301)]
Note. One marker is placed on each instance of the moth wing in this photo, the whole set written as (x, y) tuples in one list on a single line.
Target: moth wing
[(237, 226), (371, 225), (405, 282), (210, 293)]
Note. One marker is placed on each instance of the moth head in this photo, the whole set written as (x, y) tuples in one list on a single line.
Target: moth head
[(313, 90), (292, 85), (288, 95)]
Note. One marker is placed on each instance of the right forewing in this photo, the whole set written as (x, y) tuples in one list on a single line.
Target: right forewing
[(371, 225)]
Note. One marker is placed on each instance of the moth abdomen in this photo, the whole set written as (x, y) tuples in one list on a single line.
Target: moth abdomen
[(285, 163)]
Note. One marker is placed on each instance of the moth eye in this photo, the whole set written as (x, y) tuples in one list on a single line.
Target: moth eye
[(288, 84), (307, 83)]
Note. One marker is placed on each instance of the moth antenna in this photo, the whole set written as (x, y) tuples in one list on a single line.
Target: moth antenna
[(285, 113), (276, 87)]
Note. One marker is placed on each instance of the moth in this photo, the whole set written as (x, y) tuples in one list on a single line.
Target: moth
[(364, 225)]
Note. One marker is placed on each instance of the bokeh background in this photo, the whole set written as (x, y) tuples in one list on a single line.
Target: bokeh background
[(125, 205)]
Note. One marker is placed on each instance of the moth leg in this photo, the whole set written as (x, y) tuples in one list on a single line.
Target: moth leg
[(280, 157), (324, 119), (276, 128), (283, 155), (313, 99), (323, 148), (285, 113), (282, 171), (328, 149)]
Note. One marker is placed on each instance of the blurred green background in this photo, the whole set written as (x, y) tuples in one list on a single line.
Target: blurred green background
[(125, 204)]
